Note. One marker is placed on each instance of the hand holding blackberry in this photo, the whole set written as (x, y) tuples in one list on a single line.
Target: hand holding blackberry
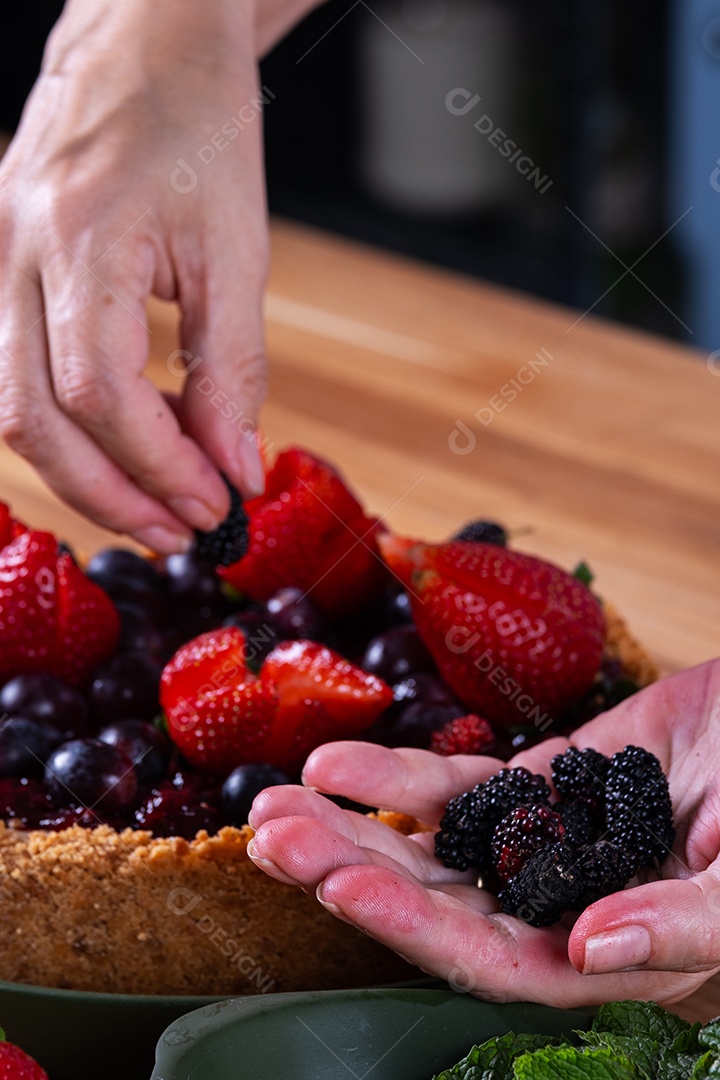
[(626, 826), (575, 849)]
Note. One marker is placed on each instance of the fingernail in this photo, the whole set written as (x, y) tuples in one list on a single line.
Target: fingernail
[(617, 950), (162, 539), (251, 466), (327, 904), (268, 865), (196, 513)]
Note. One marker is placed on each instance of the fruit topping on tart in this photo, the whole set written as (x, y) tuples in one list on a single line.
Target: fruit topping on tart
[(163, 694)]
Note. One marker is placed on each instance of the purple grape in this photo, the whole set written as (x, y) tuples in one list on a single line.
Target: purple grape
[(112, 565), (193, 583), (422, 687), (47, 700), (91, 773), (139, 632), (294, 615), (147, 748), (25, 744), (397, 653), (126, 687), (397, 610), (243, 784), (412, 726), (261, 636)]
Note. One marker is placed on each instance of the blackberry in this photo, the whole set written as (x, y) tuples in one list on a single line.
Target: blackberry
[(469, 821), (638, 810), (520, 834), (464, 835), (549, 884), (483, 532), (229, 542), (605, 869), (580, 776), (581, 823)]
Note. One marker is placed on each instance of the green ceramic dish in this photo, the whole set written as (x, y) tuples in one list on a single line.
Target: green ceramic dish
[(84, 1036), (77, 1035), (385, 1034)]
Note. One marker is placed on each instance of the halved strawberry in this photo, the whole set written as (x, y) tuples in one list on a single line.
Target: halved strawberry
[(88, 625), (322, 696), (309, 531), (516, 638), (221, 715), (52, 617), (10, 527)]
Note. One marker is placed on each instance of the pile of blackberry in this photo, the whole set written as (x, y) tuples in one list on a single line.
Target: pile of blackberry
[(542, 858)]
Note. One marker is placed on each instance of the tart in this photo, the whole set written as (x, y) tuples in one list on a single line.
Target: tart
[(146, 702)]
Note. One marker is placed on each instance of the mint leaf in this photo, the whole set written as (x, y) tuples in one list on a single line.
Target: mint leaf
[(706, 1066), (710, 1034), (493, 1059), (583, 573), (640, 1018), (575, 1063), (3, 1036), (643, 1050)]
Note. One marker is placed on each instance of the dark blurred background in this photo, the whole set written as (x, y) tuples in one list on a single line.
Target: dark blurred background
[(594, 97)]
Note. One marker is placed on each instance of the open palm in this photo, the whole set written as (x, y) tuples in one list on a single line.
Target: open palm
[(657, 940)]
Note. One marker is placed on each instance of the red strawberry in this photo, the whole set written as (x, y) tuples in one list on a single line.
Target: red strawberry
[(9, 526), (15, 1064), (218, 713), (516, 638), (309, 531), (465, 735), (52, 617), (221, 715), (322, 697)]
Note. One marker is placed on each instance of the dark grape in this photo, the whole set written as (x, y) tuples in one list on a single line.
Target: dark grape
[(414, 725), (294, 615), (397, 609), (397, 653), (47, 700), (243, 784), (139, 632), (261, 635), (126, 687), (120, 564), (25, 744), (147, 748), (91, 773), (193, 583)]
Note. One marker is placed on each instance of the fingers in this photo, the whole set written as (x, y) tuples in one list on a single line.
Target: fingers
[(222, 329), (306, 836), (491, 955), (662, 926), (98, 348), (410, 781), (69, 460)]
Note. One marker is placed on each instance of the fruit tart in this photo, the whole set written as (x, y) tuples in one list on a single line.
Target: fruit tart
[(145, 703)]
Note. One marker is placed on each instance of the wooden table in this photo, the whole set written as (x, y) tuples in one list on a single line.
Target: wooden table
[(442, 400)]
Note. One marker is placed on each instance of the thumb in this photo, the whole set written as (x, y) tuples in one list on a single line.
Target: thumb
[(662, 926)]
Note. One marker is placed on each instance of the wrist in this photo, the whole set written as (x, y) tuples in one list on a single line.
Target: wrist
[(186, 39)]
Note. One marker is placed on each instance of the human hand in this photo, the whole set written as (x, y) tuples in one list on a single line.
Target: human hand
[(91, 223), (658, 940)]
